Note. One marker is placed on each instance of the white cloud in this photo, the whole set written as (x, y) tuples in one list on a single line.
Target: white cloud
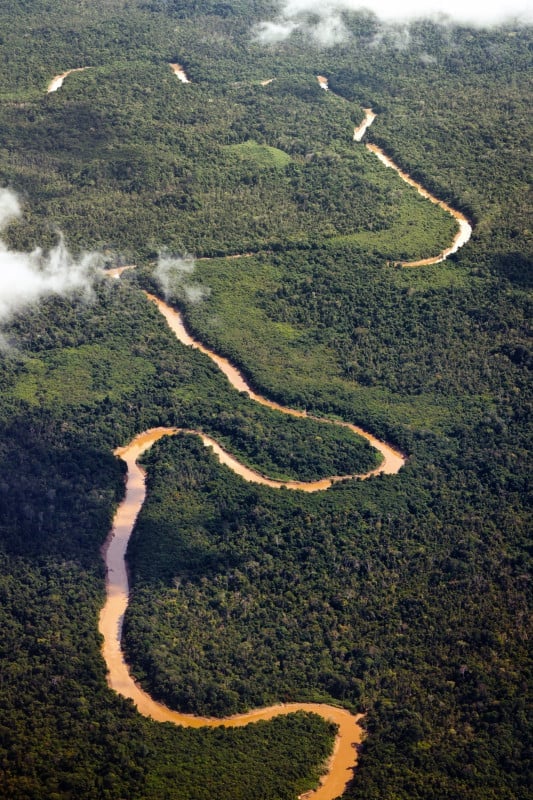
[(271, 32), (9, 207), (26, 278), (322, 19), (173, 273), (490, 12)]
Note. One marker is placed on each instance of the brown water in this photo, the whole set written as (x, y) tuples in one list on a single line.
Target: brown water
[(344, 759), (57, 82), (465, 229), (393, 460), (179, 72), (360, 131), (341, 765)]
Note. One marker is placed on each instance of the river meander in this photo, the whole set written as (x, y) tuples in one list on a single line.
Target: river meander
[(392, 461), (464, 228), (344, 758), (343, 761), (464, 231), (341, 765)]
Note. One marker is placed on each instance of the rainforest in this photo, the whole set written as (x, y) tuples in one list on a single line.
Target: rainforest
[(305, 262)]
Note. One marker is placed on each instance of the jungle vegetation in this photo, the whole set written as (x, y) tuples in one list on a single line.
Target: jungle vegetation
[(405, 596)]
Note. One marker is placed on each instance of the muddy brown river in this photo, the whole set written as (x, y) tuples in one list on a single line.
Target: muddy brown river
[(340, 766), (465, 229), (392, 461), (342, 763), (57, 82)]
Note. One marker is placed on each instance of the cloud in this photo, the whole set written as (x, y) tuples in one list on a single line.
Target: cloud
[(326, 26), (323, 19), (271, 32), (27, 278), (173, 274)]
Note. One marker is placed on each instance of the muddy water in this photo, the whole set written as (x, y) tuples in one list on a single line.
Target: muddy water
[(179, 72), (57, 82), (393, 460), (344, 759), (341, 765), (116, 272), (360, 131), (465, 229)]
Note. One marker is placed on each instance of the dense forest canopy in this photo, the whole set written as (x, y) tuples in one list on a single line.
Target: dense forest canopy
[(404, 597)]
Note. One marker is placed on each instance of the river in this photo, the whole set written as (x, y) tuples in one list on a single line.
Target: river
[(465, 229), (350, 734), (57, 82), (392, 461), (341, 765), (179, 72)]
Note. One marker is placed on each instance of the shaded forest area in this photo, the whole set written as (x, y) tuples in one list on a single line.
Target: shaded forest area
[(405, 596)]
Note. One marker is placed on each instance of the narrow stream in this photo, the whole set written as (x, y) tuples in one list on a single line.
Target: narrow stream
[(361, 129), (465, 229)]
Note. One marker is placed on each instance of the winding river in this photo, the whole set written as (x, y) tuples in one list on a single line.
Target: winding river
[(465, 229), (344, 758), (392, 461), (343, 761), (341, 765)]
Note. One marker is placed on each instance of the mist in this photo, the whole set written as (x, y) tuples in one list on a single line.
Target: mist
[(173, 276), (323, 19), (27, 278)]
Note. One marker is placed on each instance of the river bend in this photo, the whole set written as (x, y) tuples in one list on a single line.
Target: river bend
[(392, 461), (464, 227), (350, 734)]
